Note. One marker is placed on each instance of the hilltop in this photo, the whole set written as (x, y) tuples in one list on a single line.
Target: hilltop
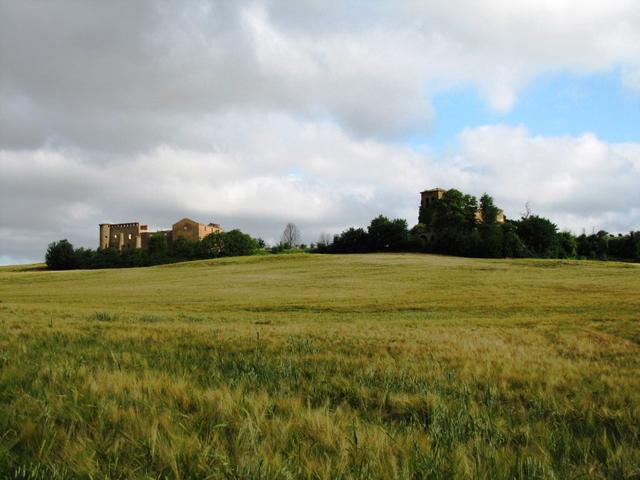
[(325, 366)]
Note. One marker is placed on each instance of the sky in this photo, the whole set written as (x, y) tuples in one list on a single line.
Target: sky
[(325, 113)]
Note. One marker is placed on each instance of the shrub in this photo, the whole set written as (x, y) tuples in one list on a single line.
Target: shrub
[(105, 317), (236, 243), (60, 256)]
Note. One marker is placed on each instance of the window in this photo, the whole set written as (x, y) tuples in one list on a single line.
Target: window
[(129, 236)]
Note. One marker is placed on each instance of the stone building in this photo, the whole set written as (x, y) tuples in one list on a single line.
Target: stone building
[(123, 236), (429, 197)]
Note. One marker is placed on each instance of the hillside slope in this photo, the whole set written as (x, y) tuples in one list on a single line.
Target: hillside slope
[(359, 366)]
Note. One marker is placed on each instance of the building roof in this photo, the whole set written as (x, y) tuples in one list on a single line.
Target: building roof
[(188, 220), (434, 190)]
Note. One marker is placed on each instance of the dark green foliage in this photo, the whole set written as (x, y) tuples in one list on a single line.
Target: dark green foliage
[(488, 210), (625, 246), (491, 235), (491, 240), (593, 246), (157, 244), (453, 221), (539, 235), (567, 247), (60, 256), (385, 234), (458, 224), (212, 245), (105, 258), (417, 238), (183, 248), (426, 214), (352, 240), (603, 246), (279, 248), (236, 243), (512, 246)]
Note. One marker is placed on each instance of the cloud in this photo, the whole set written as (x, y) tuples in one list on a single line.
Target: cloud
[(316, 175), (123, 77), (580, 182), (257, 113), (308, 172)]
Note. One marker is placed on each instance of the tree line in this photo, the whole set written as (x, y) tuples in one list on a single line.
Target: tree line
[(450, 226), (62, 255)]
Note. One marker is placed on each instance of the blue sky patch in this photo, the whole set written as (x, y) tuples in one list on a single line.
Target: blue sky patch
[(552, 105)]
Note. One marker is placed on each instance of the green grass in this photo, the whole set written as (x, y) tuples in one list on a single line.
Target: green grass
[(310, 366)]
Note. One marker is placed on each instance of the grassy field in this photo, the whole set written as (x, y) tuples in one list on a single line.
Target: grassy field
[(310, 366)]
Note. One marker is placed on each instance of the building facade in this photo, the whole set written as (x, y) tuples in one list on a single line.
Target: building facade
[(132, 235)]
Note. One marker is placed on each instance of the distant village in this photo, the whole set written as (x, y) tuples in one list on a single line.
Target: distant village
[(450, 222), (124, 236)]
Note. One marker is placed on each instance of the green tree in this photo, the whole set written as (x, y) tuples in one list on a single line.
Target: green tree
[(567, 247), (491, 238), (212, 245), (539, 235), (183, 248), (352, 240), (60, 256), (512, 245), (488, 210), (454, 219), (236, 243), (385, 234), (157, 244)]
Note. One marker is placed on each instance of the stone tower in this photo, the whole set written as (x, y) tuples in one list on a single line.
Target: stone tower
[(105, 232)]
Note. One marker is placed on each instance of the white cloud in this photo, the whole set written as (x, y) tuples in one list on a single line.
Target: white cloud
[(261, 112), (123, 77), (580, 182), (317, 176)]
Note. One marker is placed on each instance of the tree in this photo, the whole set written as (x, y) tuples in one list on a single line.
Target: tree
[(454, 220), (60, 256), (512, 245), (106, 258), (324, 240), (539, 235), (488, 210), (567, 247), (157, 244), (491, 238), (84, 257), (385, 234), (595, 245), (236, 243), (352, 240), (183, 248), (212, 245), (290, 235)]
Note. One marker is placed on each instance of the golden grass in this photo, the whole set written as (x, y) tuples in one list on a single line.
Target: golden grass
[(309, 366)]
